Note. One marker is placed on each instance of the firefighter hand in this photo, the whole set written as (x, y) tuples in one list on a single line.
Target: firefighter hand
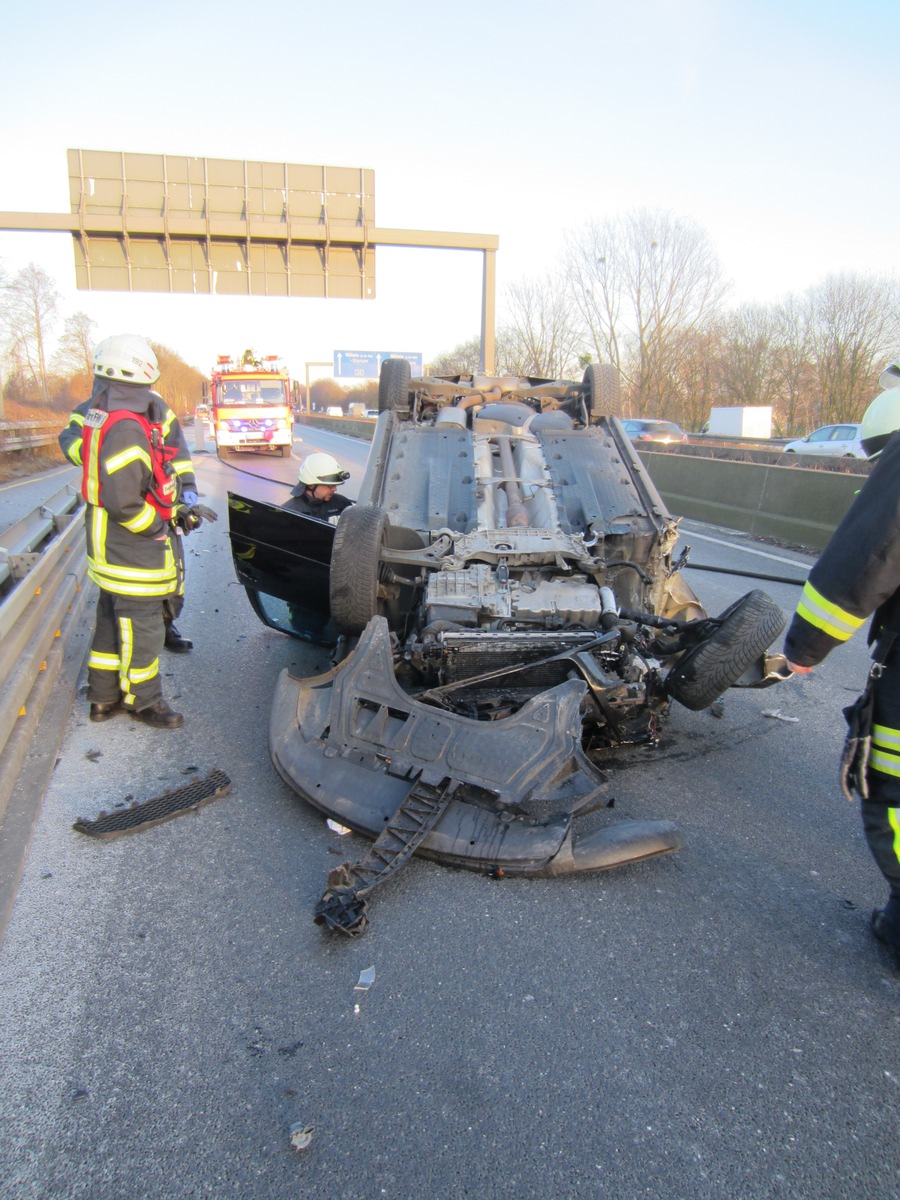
[(193, 518), (189, 499), (798, 670)]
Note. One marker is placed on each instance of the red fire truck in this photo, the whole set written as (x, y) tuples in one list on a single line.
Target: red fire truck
[(250, 403)]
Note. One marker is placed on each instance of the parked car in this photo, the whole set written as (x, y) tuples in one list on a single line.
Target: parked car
[(507, 612), (372, 413), (835, 441), (666, 432)]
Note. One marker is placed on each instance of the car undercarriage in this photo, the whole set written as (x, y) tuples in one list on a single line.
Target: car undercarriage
[(506, 613)]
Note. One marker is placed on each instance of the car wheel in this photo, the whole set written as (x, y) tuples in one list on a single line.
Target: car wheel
[(356, 567), (602, 385), (748, 628), (393, 384)]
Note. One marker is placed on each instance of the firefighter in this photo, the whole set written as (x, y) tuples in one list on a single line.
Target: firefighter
[(131, 490), (181, 464), (857, 576), (315, 494)]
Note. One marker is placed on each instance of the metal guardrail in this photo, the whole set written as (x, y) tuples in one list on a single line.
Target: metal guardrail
[(26, 435), (43, 564)]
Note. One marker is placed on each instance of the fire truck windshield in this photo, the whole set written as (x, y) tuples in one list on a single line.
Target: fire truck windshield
[(252, 391)]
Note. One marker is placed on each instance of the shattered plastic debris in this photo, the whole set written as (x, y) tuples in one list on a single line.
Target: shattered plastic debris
[(336, 828), (777, 715), (366, 979), (301, 1135)]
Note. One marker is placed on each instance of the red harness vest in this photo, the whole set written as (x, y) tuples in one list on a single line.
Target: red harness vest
[(163, 491)]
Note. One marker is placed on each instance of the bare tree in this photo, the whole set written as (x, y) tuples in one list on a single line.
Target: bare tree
[(30, 305), (749, 356), (543, 335), (641, 283), (854, 325), (464, 359), (793, 370), (179, 383), (75, 352)]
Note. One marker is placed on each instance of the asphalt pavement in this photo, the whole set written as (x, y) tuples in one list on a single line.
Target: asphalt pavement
[(715, 1024)]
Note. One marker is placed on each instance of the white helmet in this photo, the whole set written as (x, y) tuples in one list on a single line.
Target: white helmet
[(890, 376), (880, 421), (126, 357), (322, 468)]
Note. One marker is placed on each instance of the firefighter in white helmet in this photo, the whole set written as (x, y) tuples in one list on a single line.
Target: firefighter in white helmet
[(113, 360), (315, 494), (133, 494), (858, 576)]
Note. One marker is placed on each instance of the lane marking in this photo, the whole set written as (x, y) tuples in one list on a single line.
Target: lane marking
[(36, 478), (793, 562)]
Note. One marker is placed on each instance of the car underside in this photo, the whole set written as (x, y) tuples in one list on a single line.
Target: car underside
[(506, 613)]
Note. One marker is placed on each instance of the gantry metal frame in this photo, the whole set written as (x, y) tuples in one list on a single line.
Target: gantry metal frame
[(163, 223)]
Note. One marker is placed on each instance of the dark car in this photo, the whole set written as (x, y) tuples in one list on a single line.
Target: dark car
[(506, 612), (666, 432)]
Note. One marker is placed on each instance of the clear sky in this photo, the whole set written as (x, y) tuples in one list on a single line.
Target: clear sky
[(771, 124)]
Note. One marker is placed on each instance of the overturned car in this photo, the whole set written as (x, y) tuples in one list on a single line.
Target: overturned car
[(506, 611)]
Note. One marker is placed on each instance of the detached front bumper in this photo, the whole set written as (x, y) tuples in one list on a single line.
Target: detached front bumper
[(354, 745)]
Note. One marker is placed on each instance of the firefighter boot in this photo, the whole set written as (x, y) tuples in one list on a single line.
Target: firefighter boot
[(175, 642), (102, 711), (887, 930), (159, 715)]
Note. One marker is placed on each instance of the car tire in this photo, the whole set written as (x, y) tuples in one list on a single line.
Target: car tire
[(356, 567), (603, 387), (393, 385), (748, 628)]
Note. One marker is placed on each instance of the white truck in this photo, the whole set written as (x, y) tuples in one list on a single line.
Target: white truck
[(754, 421)]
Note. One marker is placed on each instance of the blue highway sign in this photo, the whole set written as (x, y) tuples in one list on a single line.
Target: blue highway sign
[(366, 364)]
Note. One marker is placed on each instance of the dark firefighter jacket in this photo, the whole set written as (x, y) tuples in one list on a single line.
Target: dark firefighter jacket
[(322, 510), (160, 413), (129, 546), (857, 574)]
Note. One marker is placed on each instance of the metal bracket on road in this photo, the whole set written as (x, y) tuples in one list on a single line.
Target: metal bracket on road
[(343, 906)]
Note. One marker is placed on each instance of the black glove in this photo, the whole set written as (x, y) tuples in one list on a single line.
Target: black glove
[(192, 518)]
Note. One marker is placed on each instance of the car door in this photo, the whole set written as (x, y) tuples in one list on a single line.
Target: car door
[(819, 441), (844, 440), (282, 558)]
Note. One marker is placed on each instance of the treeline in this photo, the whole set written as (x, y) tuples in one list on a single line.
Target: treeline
[(646, 293), (32, 379)]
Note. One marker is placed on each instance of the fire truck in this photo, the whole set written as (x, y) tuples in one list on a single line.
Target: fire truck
[(250, 404)]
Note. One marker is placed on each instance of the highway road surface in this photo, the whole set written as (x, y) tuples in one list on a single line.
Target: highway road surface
[(713, 1025)]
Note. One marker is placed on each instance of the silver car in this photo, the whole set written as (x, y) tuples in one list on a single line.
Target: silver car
[(833, 441)]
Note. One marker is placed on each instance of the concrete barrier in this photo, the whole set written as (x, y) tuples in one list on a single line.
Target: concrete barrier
[(788, 503)]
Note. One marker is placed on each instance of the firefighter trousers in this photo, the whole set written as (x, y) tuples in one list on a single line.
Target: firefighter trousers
[(124, 659), (881, 812), (172, 605)]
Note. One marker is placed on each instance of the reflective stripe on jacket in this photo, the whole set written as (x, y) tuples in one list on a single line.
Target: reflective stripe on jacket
[(71, 438), (128, 542), (857, 574)]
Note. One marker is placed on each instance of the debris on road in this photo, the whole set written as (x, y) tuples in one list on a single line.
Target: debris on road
[(161, 808), (366, 979), (301, 1135)]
